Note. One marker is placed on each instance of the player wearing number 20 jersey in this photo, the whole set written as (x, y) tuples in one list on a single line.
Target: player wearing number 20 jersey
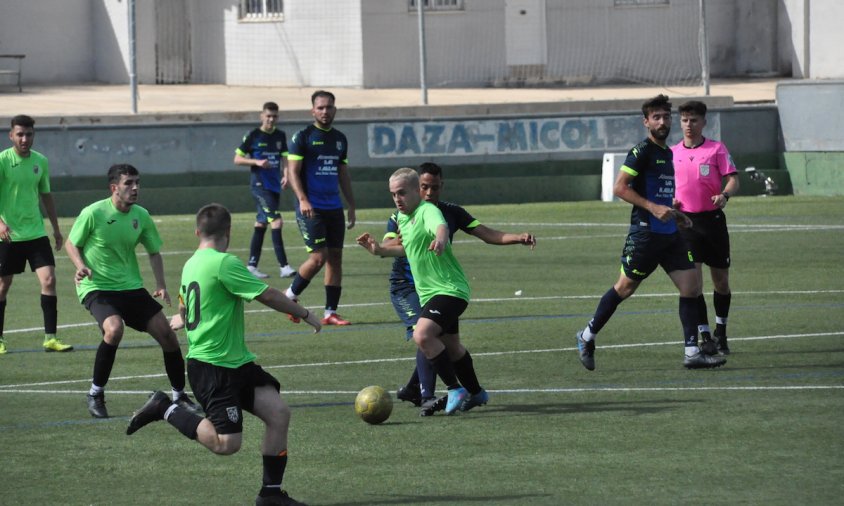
[(213, 288)]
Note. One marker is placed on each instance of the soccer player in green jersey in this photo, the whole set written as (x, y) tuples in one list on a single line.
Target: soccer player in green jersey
[(24, 181), (108, 281), (441, 285), (222, 371)]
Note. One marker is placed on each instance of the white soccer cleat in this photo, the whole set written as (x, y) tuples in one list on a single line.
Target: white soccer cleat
[(255, 272), (287, 271)]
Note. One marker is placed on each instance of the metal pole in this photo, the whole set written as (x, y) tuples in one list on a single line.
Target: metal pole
[(704, 49), (133, 65), (422, 64)]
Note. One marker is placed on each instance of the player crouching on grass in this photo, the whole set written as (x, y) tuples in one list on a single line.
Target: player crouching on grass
[(221, 370), (442, 287)]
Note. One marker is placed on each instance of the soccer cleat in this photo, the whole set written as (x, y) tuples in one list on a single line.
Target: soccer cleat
[(255, 272), (335, 319), (706, 344), (56, 344), (96, 405), (277, 500), (431, 406), (2, 347), (410, 394), (152, 411), (721, 343), (456, 396), (287, 271), (701, 361), (478, 399), (586, 349), (186, 402)]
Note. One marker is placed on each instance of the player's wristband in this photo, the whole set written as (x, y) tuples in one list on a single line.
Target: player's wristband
[(726, 195)]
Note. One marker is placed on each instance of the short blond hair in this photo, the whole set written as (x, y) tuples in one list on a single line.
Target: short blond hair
[(406, 175)]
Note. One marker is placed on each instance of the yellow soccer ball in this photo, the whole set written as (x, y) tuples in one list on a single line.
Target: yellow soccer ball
[(373, 404)]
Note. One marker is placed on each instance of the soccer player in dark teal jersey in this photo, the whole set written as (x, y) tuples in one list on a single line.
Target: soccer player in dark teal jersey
[(646, 180), (264, 151), (221, 369), (319, 171)]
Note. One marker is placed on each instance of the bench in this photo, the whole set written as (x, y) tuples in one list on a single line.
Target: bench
[(15, 73)]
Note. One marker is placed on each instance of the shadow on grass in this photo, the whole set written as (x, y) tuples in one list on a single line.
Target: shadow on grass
[(634, 407), (445, 499)]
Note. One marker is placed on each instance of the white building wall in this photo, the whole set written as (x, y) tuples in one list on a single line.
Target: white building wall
[(826, 39), (55, 36)]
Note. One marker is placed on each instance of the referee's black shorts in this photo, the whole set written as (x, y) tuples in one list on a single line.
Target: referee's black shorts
[(708, 239)]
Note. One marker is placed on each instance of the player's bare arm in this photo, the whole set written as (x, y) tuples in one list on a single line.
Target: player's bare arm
[(387, 248), (5, 232), (622, 190), (157, 264), (75, 255), (275, 299), (440, 241), (251, 162), (492, 236), (295, 180), (50, 208), (346, 187)]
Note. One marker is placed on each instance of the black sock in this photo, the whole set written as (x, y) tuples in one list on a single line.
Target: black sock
[(426, 375), (2, 316), (445, 369), (299, 284), (413, 382), (51, 314), (606, 307), (185, 421), (689, 318), (465, 370), (256, 244), (722, 310), (278, 246), (274, 466), (332, 297), (174, 364), (703, 316), (103, 362)]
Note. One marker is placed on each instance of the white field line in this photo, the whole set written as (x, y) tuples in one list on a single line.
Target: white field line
[(481, 300), (621, 227), (28, 387)]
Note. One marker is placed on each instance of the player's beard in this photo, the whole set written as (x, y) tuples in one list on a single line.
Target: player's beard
[(660, 134)]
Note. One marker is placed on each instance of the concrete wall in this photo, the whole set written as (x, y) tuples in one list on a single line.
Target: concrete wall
[(187, 163), (813, 134), (374, 43)]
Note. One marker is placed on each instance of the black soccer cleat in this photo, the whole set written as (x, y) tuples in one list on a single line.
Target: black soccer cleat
[(721, 342), (278, 500), (701, 361), (184, 401), (431, 406), (410, 394), (706, 344), (586, 350), (152, 411), (96, 405)]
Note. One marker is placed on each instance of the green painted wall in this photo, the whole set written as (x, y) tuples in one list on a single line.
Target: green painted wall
[(816, 173)]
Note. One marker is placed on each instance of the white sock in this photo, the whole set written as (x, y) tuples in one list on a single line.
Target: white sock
[(721, 321), (692, 350), (703, 328), (95, 390), (329, 312), (170, 410), (290, 294), (588, 335), (176, 394)]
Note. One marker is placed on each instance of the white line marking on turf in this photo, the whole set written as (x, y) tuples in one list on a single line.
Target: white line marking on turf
[(482, 300), (15, 388)]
